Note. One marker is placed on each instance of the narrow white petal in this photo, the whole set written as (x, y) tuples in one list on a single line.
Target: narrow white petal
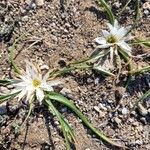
[(21, 94), (21, 84), (100, 40), (46, 87), (39, 95), (116, 24), (46, 76), (104, 46), (30, 92), (121, 33), (15, 91), (111, 27), (123, 45), (54, 82), (32, 71), (105, 33)]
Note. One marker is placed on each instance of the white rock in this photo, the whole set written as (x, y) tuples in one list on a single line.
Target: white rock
[(44, 67), (96, 108), (39, 2), (124, 111), (142, 110)]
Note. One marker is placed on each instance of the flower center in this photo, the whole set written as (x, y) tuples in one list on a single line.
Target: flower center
[(36, 83), (112, 39)]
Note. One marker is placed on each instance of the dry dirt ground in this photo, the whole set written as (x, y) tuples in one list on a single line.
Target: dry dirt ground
[(56, 33)]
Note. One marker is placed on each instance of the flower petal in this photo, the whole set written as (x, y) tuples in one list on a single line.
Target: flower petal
[(116, 24), (104, 46), (100, 40), (46, 76), (21, 94), (121, 32), (123, 45), (105, 33), (39, 95)]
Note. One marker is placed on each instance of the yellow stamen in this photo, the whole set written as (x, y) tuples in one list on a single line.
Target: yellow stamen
[(36, 83), (112, 39)]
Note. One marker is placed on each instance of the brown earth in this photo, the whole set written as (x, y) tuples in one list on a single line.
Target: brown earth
[(55, 34)]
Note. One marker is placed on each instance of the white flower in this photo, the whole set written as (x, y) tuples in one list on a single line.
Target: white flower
[(117, 37), (32, 82)]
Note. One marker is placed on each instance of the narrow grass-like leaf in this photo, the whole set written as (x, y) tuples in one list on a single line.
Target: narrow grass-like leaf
[(142, 42), (127, 60), (146, 95), (96, 54), (108, 10), (67, 131), (137, 11), (138, 71), (11, 55), (101, 70), (123, 9), (68, 69), (5, 82), (65, 101), (7, 97)]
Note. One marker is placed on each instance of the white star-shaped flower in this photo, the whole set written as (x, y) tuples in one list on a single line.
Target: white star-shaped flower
[(116, 37), (32, 82)]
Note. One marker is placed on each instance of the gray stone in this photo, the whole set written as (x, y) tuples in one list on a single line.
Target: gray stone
[(3, 109)]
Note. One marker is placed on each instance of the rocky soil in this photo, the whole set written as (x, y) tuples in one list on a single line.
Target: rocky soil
[(54, 33)]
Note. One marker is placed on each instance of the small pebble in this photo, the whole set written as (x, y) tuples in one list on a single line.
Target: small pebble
[(124, 111), (44, 67), (25, 18), (96, 108), (101, 106), (146, 12), (39, 2), (142, 110), (117, 120)]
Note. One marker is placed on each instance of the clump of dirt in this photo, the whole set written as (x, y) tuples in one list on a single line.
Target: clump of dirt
[(55, 34)]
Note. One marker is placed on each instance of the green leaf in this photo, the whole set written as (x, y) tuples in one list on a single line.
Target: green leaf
[(65, 101), (142, 70), (98, 54), (7, 97), (146, 95), (5, 82), (142, 42), (108, 11), (67, 131)]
